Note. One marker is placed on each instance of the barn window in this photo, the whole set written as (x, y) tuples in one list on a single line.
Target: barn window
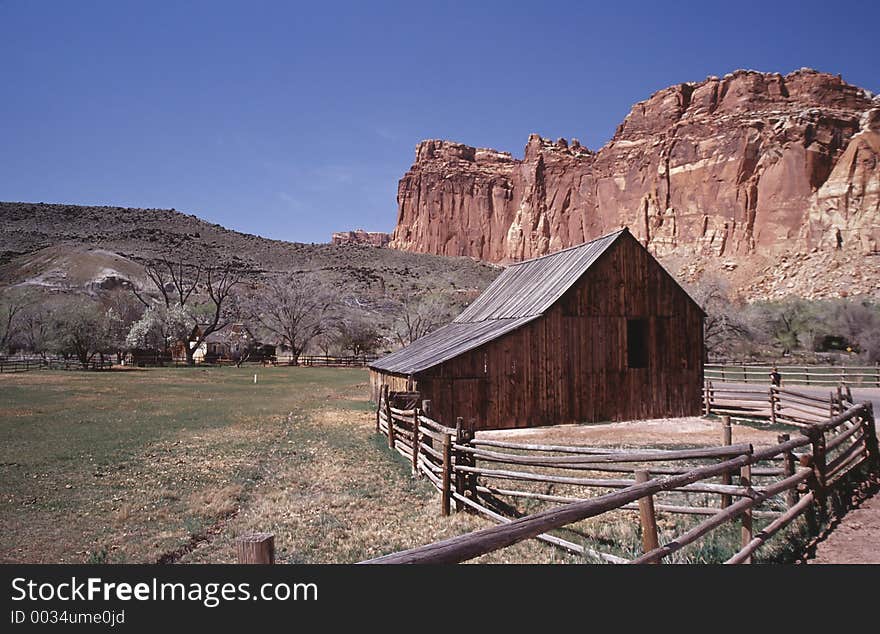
[(637, 343)]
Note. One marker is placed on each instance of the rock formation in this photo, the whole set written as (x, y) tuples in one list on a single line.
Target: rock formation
[(727, 173), (359, 236)]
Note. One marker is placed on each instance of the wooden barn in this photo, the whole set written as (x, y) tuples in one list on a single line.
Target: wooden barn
[(597, 332)]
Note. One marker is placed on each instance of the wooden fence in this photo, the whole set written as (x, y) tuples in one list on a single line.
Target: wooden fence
[(345, 362), (8, 365), (723, 484), (822, 376), (773, 404)]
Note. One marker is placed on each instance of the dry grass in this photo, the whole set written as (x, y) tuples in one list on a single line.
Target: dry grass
[(174, 464), (145, 465), (342, 496)]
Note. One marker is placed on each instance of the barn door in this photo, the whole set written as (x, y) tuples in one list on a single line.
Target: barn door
[(470, 398)]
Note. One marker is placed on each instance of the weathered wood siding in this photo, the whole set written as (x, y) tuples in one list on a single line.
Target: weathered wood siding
[(571, 364), (395, 383)]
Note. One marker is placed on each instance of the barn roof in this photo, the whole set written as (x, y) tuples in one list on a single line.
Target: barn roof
[(528, 288), (522, 293)]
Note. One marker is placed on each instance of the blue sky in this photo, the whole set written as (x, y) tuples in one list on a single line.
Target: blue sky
[(293, 120)]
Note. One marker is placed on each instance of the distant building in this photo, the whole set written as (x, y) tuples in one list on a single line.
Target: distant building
[(596, 332), (227, 344)]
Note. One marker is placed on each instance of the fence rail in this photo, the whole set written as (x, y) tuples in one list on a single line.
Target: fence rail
[(27, 365), (822, 376), (724, 484), (352, 361), (303, 360), (774, 405)]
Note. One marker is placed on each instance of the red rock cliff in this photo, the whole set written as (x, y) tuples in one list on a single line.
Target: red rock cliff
[(749, 164), (359, 236)]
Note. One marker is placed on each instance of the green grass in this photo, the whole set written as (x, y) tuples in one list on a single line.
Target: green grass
[(173, 464), (88, 459)]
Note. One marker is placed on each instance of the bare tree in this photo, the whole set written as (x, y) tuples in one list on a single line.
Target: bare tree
[(419, 316), (787, 325), (197, 301), (725, 323), (36, 329), (11, 307), (174, 281), (360, 336), (327, 341), (295, 310), (82, 330)]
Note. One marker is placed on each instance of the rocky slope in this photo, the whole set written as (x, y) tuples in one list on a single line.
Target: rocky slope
[(71, 248), (729, 175)]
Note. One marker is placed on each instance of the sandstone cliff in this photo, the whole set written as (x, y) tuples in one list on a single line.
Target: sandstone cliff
[(359, 236), (734, 173)]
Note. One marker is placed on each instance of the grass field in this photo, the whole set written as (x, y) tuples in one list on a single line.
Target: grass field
[(171, 464)]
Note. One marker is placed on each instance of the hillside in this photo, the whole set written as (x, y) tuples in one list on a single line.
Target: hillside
[(90, 249), (771, 181)]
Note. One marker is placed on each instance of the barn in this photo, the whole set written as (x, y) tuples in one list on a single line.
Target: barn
[(596, 332)]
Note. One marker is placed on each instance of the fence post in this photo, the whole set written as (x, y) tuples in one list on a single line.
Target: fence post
[(445, 480), (647, 517), (470, 479), (774, 400), (706, 406), (791, 496), (869, 430), (389, 421), (459, 476), (818, 462), (255, 548), (378, 408), (415, 443), (426, 410), (726, 440), (745, 480)]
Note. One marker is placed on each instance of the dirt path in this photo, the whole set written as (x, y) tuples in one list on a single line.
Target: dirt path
[(657, 432), (856, 540)]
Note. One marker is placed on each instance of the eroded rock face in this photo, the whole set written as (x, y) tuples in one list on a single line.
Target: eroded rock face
[(359, 236), (730, 169)]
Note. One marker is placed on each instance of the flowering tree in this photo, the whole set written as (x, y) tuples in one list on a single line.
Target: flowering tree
[(193, 302)]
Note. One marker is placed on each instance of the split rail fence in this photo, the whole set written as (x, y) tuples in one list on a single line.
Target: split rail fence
[(358, 361), (763, 489), (774, 405), (26, 365), (821, 376)]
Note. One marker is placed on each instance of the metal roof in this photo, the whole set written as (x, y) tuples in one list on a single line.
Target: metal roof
[(531, 287), (446, 343), (522, 293)]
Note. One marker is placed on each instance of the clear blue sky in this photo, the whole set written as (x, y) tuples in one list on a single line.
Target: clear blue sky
[(292, 120)]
